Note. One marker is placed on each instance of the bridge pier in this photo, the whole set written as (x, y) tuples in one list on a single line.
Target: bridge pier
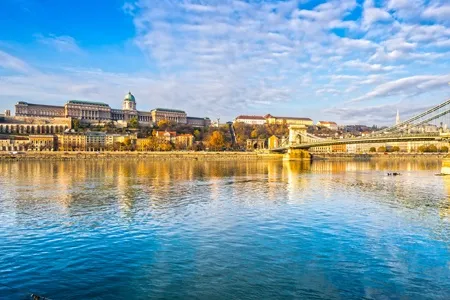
[(297, 154)]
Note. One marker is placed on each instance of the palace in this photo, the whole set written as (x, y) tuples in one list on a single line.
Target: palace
[(99, 112), (86, 111)]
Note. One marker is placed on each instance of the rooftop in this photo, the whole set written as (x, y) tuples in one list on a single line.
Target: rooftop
[(250, 117), (169, 110), (43, 105), (87, 102), (290, 118)]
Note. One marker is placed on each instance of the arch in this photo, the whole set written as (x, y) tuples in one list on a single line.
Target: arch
[(38, 130), (33, 129), (1, 128)]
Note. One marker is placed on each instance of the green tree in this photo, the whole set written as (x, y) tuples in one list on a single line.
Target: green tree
[(373, 149), (395, 149), (444, 149), (133, 123), (197, 134), (76, 124)]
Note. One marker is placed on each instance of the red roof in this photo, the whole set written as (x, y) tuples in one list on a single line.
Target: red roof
[(250, 117), (162, 133)]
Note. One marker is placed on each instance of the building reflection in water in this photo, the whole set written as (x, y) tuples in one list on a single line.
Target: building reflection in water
[(69, 188)]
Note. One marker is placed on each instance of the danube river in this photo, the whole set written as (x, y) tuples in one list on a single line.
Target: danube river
[(224, 230)]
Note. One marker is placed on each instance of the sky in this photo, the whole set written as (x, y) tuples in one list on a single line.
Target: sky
[(349, 61)]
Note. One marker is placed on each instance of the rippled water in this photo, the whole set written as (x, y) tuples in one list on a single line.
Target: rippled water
[(224, 230)]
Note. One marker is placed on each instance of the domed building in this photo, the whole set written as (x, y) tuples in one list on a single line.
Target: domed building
[(129, 102), (101, 113)]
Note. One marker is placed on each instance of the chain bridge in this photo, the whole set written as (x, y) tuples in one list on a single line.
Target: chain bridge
[(416, 128)]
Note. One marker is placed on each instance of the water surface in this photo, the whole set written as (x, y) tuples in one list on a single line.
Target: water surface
[(224, 230)]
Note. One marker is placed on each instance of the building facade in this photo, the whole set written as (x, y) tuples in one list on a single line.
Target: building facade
[(99, 112), (174, 115), (43, 142), (251, 120), (328, 124), (288, 120), (198, 122)]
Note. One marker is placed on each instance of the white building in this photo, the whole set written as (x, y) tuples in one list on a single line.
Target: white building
[(252, 120), (328, 124)]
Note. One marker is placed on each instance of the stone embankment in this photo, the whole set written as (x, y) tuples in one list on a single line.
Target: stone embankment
[(203, 156), (378, 156)]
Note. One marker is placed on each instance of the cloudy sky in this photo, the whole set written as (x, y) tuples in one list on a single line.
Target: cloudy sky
[(351, 61)]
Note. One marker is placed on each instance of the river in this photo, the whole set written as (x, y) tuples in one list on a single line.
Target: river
[(224, 230)]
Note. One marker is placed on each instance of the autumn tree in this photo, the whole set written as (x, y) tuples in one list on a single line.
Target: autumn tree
[(216, 141), (381, 149)]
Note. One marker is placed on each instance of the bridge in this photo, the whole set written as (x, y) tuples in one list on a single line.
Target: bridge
[(414, 129)]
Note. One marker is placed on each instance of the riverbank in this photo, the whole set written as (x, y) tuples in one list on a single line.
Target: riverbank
[(209, 156), (376, 156), (172, 155)]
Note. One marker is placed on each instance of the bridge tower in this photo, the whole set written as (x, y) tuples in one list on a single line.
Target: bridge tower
[(295, 134)]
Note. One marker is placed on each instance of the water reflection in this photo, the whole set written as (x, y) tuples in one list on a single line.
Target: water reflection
[(260, 229)]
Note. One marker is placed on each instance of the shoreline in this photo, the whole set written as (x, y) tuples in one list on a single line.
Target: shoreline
[(209, 156), (376, 156)]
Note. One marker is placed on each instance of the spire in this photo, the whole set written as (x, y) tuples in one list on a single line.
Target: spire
[(397, 119)]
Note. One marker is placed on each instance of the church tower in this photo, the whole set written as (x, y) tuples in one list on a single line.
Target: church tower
[(397, 119), (129, 102)]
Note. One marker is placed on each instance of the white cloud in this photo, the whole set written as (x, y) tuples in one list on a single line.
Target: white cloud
[(12, 63), (368, 67), (438, 12), (413, 85), (373, 14), (61, 43)]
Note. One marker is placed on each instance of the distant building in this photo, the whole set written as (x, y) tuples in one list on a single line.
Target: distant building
[(72, 141), (184, 140), (43, 142), (14, 143), (86, 111), (198, 122), (169, 136), (288, 120), (174, 115), (328, 124), (252, 120)]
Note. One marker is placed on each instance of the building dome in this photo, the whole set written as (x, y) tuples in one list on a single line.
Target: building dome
[(129, 97)]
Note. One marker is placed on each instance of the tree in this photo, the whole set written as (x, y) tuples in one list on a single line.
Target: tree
[(164, 124), (381, 149), (197, 134), (432, 148), (254, 134), (444, 149), (395, 149), (373, 149), (422, 148), (216, 141), (76, 124), (133, 123)]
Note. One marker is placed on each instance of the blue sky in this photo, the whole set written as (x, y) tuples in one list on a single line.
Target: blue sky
[(350, 61)]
